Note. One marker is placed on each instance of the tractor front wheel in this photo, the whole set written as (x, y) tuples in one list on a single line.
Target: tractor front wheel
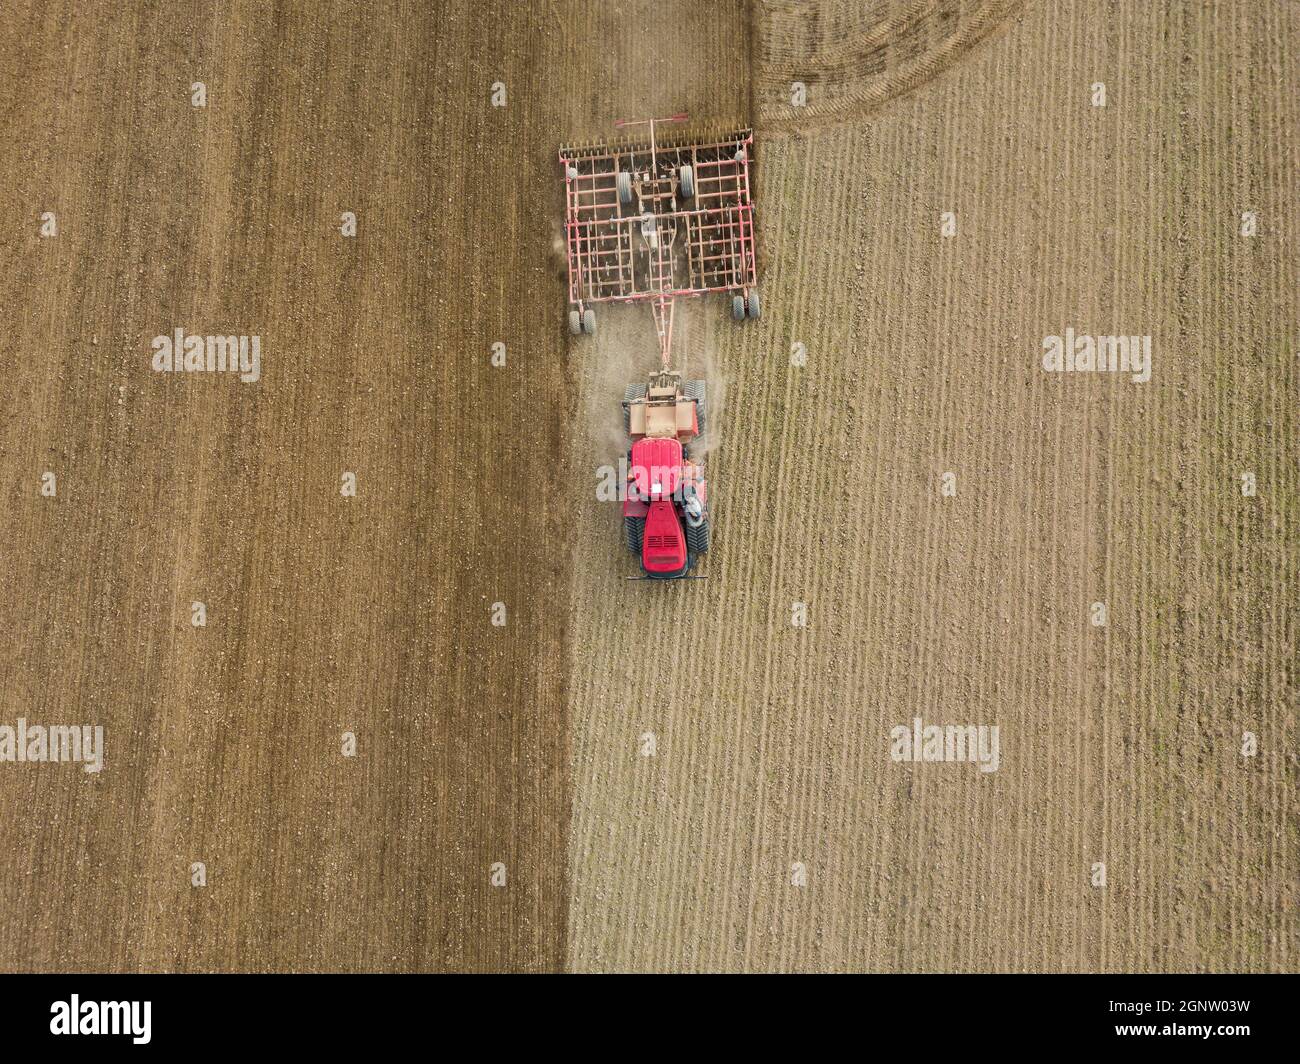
[(633, 393), (695, 390), (697, 539), (633, 531)]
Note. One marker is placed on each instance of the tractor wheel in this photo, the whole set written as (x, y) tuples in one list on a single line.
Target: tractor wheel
[(752, 305), (589, 321), (575, 322), (686, 181), (624, 187), (697, 539), (633, 530), (695, 390), (738, 307), (630, 395)]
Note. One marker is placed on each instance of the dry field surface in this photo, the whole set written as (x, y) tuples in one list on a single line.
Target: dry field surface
[(520, 744), (1119, 744), (325, 614)]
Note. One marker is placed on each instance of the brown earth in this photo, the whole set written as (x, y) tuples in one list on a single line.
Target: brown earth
[(325, 614), (519, 744)]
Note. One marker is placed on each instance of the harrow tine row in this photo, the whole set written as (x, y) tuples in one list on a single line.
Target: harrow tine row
[(659, 219)]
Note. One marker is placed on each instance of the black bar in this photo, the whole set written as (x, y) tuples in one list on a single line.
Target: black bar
[(597, 1016)]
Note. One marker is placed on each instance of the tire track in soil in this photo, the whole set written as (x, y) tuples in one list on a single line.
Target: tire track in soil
[(854, 57)]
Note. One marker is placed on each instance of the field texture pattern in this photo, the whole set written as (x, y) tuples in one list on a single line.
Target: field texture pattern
[(1119, 744), (937, 191)]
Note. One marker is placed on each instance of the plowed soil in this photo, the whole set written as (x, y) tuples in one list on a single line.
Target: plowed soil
[(325, 614)]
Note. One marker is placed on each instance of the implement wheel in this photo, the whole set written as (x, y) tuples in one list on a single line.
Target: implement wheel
[(697, 539), (686, 182)]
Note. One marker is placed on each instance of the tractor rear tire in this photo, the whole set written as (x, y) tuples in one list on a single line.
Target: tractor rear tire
[(575, 323), (696, 390), (633, 531), (624, 187), (697, 539), (632, 393), (738, 307), (686, 182), (589, 321)]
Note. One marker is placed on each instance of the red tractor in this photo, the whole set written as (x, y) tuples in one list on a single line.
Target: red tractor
[(665, 509), (649, 222)]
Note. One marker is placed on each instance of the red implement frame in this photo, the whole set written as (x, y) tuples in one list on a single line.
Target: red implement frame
[(660, 244)]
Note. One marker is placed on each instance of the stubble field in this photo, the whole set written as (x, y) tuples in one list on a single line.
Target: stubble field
[(1120, 745)]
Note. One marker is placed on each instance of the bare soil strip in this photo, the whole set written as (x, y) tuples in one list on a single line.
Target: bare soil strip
[(325, 614)]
